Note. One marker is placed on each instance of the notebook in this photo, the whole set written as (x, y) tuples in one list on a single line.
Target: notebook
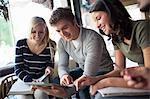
[(118, 91)]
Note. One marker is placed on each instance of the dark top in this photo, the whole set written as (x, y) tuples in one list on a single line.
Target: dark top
[(28, 65)]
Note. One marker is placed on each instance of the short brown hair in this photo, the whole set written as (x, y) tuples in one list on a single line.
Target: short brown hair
[(61, 14)]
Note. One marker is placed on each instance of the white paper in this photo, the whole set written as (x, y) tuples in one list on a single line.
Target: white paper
[(19, 88)]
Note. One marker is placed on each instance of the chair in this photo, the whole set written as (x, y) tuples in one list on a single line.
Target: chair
[(6, 84)]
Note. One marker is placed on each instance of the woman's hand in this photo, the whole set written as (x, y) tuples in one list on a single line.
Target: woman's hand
[(49, 71), (66, 80), (85, 81), (137, 77)]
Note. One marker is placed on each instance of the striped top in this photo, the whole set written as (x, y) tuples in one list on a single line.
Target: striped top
[(31, 66)]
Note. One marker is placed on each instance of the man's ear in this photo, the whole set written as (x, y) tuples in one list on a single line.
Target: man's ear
[(75, 22)]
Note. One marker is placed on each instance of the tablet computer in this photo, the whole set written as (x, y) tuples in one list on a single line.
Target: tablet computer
[(40, 84), (45, 84)]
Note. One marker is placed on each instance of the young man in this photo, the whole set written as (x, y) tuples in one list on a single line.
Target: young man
[(85, 46)]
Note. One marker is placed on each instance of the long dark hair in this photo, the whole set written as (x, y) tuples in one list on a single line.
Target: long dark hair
[(120, 18)]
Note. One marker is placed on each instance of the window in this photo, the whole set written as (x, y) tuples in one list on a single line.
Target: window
[(16, 27), (6, 36), (20, 13)]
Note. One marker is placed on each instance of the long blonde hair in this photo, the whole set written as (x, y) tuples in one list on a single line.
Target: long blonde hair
[(39, 21)]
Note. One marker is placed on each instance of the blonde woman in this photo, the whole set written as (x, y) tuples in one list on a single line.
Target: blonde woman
[(35, 56)]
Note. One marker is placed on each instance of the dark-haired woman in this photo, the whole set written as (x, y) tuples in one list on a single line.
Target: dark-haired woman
[(131, 39)]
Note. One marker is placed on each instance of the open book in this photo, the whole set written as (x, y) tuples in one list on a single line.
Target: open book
[(118, 91), (20, 88)]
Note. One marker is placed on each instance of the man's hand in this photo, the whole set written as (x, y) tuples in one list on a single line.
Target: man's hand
[(66, 80)]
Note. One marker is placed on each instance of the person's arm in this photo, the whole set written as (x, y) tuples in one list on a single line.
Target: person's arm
[(97, 56), (143, 40), (19, 63), (120, 59), (63, 69), (108, 82), (146, 54), (110, 79), (63, 59)]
